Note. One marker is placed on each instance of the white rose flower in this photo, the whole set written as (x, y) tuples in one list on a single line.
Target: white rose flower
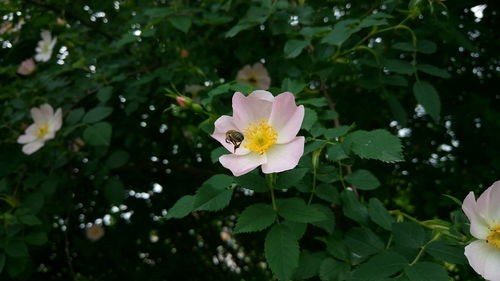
[(47, 123), (45, 46)]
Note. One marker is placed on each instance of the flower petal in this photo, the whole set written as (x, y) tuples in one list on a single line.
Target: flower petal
[(37, 115), (26, 138), (250, 109), (47, 111), (222, 125), (282, 157), (488, 204), (56, 120), (244, 74), (32, 147), (241, 164), (478, 225), (286, 117), (484, 259)]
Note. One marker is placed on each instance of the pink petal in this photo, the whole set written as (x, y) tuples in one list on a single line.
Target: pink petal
[(484, 259), (32, 147), (222, 125), (263, 95), (37, 115), (282, 157), (56, 121), (489, 203), (263, 83), (250, 109), (47, 111), (244, 74), (286, 117), (26, 138), (241, 164), (478, 225)]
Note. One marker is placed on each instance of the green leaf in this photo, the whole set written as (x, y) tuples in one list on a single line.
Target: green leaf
[(408, 234), (297, 229), (329, 224), (428, 97), (336, 246), (352, 208), (432, 70), (425, 271), (181, 208), (317, 102), (362, 179), (216, 153), (294, 47), (16, 248), (2, 261), (255, 217), (75, 116), (98, 134), (336, 153), (214, 194), (182, 23), (295, 209), (448, 253), (379, 214), (333, 270), (398, 112), (97, 114), (282, 252), (334, 133), (363, 242), (382, 265), (117, 159), (290, 178), (398, 66), (310, 117), (252, 181), (114, 191), (30, 220), (36, 238), (309, 264), (377, 144), (341, 32), (104, 94), (237, 29), (293, 86)]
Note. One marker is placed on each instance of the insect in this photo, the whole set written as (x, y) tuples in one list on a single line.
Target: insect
[(234, 137)]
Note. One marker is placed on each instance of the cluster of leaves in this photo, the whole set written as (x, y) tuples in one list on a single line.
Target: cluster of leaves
[(353, 63)]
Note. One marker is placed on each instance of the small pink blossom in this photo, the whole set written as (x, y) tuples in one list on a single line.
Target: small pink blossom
[(47, 123), (26, 67), (184, 53), (484, 216), (255, 76), (181, 101), (269, 125)]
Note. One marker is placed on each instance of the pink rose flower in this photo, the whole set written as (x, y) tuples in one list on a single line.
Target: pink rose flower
[(47, 123), (484, 216), (255, 75), (269, 126), (26, 67)]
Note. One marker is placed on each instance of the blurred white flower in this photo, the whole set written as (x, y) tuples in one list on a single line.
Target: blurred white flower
[(45, 46), (26, 67), (47, 123), (95, 232), (484, 216), (255, 75)]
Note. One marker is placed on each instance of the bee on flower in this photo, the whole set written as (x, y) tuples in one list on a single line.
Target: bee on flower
[(47, 123)]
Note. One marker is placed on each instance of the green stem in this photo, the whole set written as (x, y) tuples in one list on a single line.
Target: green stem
[(422, 250), (271, 181)]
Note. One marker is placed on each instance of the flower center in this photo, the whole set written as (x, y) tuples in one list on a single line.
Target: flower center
[(259, 137), (494, 237), (252, 80), (42, 130)]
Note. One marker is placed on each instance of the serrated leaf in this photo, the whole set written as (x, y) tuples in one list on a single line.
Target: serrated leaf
[(362, 179), (329, 224), (448, 253), (341, 32), (297, 229), (309, 264), (282, 252), (381, 265), (334, 133), (336, 152), (332, 270), (75, 116), (378, 144), (214, 194), (252, 181), (97, 114), (363, 242), (310, 117), (290, 178), (293, 86), (255, 218), (182, 23), (425, 271), (352, 208), (181, 208), (408, 234), (295, 209), (428, 97), (379, 214), (98, 134), (294, 47)]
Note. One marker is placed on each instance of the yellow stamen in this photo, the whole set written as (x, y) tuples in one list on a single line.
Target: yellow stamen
[(494, 237), (42, 130), (259, 137)]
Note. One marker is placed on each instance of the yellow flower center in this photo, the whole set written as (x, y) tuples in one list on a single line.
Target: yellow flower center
[(42, 130), (252, 80), (259, 137), (494, 237)]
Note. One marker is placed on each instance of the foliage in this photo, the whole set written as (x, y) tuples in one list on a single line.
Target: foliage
[(399, 110)]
